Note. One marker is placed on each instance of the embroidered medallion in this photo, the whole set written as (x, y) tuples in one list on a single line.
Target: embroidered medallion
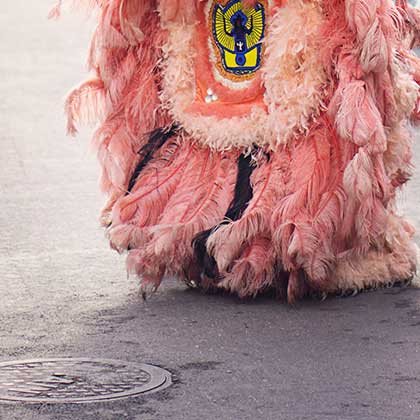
[(237, 33)]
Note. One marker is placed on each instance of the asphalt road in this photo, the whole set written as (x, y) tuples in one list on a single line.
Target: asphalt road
[(63, 293)]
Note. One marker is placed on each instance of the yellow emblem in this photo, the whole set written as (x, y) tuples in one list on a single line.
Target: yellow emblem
[(237, 33)]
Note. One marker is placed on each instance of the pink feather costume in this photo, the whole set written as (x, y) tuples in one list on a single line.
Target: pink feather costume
[(274, 168)]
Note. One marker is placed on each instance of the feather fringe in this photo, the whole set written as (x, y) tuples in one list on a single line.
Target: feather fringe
[(228, 240), (123, 95), (305, 221), (134, 213), (200, 201), (322, 213), (253, 272)]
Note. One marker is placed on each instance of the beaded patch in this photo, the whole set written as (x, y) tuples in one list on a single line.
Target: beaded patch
[(237, 33)]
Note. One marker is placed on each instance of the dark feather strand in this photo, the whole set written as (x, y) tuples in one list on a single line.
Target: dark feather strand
[(157, 139), (243, 195)]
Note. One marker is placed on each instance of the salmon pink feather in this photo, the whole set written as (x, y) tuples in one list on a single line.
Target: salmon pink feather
[(321, 117)]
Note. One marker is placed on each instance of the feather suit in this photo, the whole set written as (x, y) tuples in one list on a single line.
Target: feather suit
[(256, 144)]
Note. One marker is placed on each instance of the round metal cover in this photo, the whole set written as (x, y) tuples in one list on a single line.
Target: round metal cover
[(78, 380)]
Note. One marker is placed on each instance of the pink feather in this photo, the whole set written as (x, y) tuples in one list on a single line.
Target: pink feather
[(305, 220), (134, 213), (323, 201), (254, 271), (227, 241), (358, 119), (200, 201), (124, 96)]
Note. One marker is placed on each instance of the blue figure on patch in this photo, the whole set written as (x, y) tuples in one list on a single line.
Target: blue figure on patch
[(238, 33), (239, 20)]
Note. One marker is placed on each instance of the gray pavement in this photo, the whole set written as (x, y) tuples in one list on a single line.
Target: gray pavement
[(63, 293)]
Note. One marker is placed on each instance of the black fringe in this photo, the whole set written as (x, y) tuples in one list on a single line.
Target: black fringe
[(204, 259), (243, 195), (243, 189), (281, 281), (157, 139)]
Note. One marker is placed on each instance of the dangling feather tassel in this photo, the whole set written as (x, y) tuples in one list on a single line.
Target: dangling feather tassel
[(297, 287), (134, 213), (85, 104), (243, 194), (305, 221), (227, 241), (157, 139), (200, 200), (253, 272), (125, 88)]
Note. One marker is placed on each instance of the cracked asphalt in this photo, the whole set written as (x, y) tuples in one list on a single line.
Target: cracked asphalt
[(63, 293)]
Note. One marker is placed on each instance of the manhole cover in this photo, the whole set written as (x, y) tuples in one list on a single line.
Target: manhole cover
[(77, 380)]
